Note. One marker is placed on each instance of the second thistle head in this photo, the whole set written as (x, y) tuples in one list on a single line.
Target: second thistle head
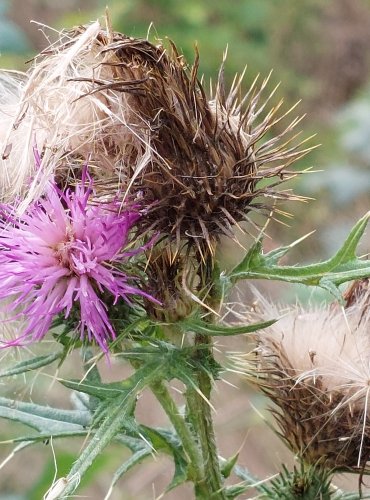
[(315, 367)]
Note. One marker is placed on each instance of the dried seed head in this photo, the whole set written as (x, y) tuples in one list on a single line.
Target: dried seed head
[(315, 366), (142, 117), (70, 121), (206, 157)]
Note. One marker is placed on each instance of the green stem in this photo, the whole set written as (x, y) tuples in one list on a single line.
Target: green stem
[(189, 444), (188, 440), (200, 416)]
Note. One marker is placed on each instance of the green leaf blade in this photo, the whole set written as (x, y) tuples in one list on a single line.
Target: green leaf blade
[(96, 389), (344, 266), (30, 364), (198, 326), (44, 419)]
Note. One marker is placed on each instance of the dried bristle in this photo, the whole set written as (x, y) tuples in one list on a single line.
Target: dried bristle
[(315, 366), (70, 123), (140, 116)]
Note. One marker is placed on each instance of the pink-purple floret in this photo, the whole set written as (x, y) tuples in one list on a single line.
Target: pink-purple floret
[(64, 250)]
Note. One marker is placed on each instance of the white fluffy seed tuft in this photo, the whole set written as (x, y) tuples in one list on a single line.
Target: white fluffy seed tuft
[(57, 110)]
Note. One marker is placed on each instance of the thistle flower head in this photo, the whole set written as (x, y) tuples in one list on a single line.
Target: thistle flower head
[(206, 156), (66, 251), (315, 366), (143, 115)]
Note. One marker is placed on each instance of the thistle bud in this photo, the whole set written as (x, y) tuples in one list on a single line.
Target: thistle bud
[(173, 277)]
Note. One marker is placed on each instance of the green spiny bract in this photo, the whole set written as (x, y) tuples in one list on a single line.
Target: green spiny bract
[(304, 482)]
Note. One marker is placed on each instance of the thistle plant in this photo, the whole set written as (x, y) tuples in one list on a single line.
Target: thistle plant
[(114, 207)]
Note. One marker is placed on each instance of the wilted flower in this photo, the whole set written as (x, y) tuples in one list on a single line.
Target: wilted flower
[(66, 251), (208, 167), (315, 366)]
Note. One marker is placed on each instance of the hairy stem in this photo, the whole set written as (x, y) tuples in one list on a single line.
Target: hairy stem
[(199, 413), (182, 428)]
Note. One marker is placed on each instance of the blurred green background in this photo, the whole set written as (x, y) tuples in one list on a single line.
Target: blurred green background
[(320, 51)]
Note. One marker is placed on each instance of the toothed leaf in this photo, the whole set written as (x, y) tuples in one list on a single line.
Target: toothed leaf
[(342, 267)]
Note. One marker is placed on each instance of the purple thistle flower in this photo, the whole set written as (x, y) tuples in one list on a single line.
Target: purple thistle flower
[(64, 250)]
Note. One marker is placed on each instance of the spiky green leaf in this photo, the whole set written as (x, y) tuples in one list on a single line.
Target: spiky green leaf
[(117, 414), (344, 266)]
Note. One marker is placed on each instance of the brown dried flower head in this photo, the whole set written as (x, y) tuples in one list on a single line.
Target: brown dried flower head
[(142, 117), (206, 159), (315, 367)]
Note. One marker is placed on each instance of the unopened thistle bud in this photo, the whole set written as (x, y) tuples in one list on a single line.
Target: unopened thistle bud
[(173, 277), (315, 367)]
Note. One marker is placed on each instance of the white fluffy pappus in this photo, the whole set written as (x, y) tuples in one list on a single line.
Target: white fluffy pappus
[(11, 88), (315, 366), (59, 112), (330, 342)]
